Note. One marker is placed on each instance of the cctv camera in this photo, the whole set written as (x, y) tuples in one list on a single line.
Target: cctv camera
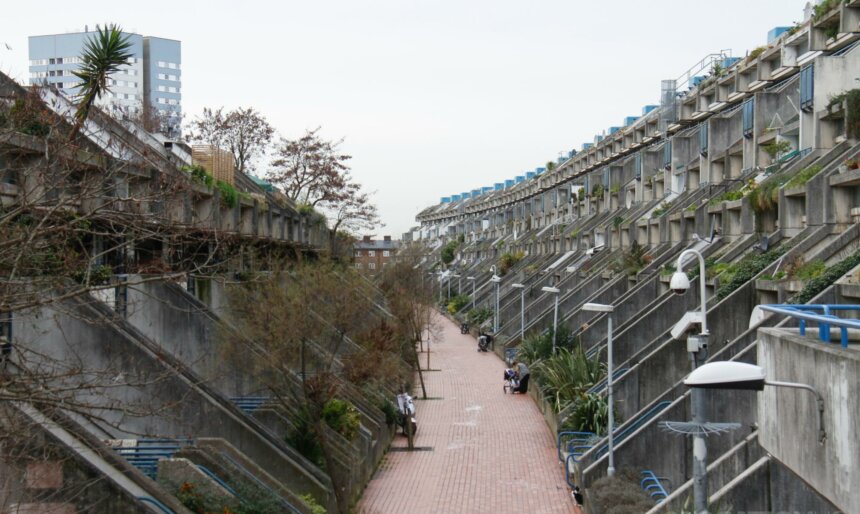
[(679, 283)]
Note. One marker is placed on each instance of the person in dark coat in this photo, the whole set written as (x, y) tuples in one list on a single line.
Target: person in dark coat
[(523, 373)]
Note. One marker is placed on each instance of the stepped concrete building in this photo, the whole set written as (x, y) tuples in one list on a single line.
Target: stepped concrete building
[(750, 162)]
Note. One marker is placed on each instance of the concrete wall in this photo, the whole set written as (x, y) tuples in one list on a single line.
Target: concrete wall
[(146, 392), (787, 418)]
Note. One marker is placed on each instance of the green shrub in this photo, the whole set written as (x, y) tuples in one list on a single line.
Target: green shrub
[(390, 411), (458, 302), (755, 52), (229, 195), (751, 265), (304, 439), (664, 207), (509, 260), (803, 176), (728, 196), (810, 270), (823, 8), (590, 414), (775, 148), (597, 191), (565, 377), (633, 260), (305, 209), (448, 252), (478, 316), (28, 116), (98, 275), (852, 114), (199, 174), (537, 346), (342, 417), (311, 502), (825, 280)]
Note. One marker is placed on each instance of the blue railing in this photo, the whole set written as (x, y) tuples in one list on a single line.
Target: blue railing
[(578, 446), (164, 508), (601, 386), (653, 485), (147, 452), (806, 313), (287, 505), (206, 471), (249, 404), (568, 438)]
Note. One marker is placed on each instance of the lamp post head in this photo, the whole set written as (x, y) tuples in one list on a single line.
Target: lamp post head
[(470, 278), (679, 283), (495, 278), (598, 307), (547, 289), (727, 375), (518, 286)]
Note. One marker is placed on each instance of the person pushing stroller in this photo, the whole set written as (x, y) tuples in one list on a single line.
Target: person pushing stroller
[(520, 374)]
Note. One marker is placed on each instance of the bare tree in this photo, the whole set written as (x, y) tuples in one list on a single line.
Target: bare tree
[(310, 170), (313, 172), (409, 298), (244, 131), (305, 322)]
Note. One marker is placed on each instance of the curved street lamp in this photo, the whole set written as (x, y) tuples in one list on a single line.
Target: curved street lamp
[(522, 289), (495, 279), (609, 309), (740, 375), (556, 291), (698, 348)]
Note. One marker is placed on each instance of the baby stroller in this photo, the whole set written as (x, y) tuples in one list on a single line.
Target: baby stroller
[(512, 382), (484, 342)]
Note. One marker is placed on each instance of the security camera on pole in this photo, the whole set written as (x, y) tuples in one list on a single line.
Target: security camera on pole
[(697, 346)]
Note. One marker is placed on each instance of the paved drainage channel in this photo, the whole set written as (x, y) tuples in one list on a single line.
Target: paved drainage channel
[(415, 449)]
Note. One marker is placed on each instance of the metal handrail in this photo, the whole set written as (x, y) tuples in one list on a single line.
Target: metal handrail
[(656, 483), (148, 499), (578, 436), (217, 479), (824, 320)]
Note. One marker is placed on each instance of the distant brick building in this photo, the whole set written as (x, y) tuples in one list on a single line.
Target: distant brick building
[(371, 255)]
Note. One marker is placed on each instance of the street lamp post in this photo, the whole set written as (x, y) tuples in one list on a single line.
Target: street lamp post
[(440, 286), (473, 291), (522, 289), (555, 291), (495, 279), (609, 309), (740, 375), (449, 285), (698, 348)]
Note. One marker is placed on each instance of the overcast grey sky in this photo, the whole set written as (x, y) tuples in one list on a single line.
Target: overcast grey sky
[(433, 97)]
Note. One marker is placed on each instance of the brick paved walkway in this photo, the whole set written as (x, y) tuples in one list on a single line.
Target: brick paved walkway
[(491, 452)]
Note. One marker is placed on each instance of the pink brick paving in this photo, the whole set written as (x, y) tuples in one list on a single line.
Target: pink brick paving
[(492, 452)]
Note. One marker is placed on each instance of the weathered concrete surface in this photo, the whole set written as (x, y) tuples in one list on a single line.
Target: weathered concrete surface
[(147, 392), (787, 418)]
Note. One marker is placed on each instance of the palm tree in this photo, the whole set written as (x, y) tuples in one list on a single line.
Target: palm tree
[(103, 54)]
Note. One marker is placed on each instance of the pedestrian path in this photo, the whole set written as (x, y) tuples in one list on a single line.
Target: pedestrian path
[(481, 450)]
